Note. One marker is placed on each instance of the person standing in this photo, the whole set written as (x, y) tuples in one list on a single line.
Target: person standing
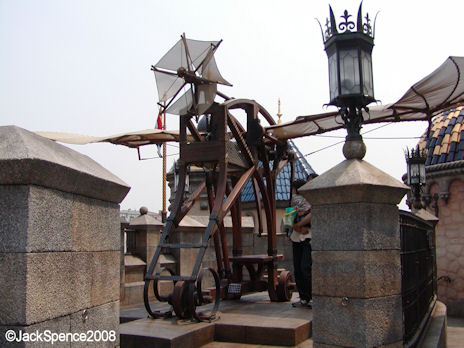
[(301, 245)]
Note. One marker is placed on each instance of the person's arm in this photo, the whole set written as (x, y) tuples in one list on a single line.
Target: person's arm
[(306, 220)]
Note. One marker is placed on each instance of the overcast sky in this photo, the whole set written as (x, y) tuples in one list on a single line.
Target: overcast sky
[(84, 67)]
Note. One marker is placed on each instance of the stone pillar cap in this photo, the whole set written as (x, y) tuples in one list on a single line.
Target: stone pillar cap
[(29, 159), (145, 220), (354, 181), (425, 215)]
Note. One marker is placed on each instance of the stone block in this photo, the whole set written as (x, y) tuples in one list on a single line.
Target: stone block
[(247, 239), (49, 217), (102, 318), (55, 284), (358, 322), (133, 293), (356, 273), (57, 325), (355, 226), (135, 273), (12, 289), (230, 333), (38, 219), (104, 270), (187, 260), (95, 220), (13, 217), (392, 345), (34, 219)]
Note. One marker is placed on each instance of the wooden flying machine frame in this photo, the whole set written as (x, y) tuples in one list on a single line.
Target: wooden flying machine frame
[(230, 156)]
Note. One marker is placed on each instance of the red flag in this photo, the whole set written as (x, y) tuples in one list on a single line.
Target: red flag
[(159, 125), (159, 121)]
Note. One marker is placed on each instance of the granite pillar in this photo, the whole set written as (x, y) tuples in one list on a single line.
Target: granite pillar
[(59, 239), (356, 256), (147, 234)]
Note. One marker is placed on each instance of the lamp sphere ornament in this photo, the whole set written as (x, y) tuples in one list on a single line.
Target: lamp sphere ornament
[(354, 149)]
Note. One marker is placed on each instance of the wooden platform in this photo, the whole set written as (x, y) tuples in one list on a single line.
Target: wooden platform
[(252, 320)]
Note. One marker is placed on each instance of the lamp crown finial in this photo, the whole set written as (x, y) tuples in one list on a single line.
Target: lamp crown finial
[(363, 24)]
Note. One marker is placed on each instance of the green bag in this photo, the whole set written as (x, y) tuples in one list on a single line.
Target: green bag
[(289, 217)]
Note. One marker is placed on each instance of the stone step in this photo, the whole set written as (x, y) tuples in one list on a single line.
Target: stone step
[(262, 329), (230, 328), (215, 344), (166, 333), (252, 320)]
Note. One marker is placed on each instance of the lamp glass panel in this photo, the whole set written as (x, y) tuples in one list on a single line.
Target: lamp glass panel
[(349, 72), (176, 181), (414, 173), (368, 83), (422, 173), (333, 76)]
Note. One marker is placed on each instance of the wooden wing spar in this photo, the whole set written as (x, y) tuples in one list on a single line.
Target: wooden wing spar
[(131, 139)]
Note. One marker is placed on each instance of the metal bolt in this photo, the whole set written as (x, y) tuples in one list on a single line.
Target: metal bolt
[(85, 315), (345, 301)]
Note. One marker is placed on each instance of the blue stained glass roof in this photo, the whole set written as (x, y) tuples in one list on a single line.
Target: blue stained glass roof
[(302, 170)]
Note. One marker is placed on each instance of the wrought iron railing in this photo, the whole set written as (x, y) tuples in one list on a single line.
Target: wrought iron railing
[(418, 265)]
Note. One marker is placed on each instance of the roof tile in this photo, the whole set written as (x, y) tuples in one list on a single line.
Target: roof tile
[(302, 170), (446, 143)]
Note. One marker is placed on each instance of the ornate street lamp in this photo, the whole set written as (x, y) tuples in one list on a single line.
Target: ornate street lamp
[(349, 51), (415, 160)]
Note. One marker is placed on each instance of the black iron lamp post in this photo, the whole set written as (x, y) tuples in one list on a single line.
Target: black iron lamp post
[(349, 51), (415, 159)]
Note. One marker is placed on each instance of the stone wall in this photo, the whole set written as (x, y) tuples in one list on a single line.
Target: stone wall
[(449, 236), (59, 239)]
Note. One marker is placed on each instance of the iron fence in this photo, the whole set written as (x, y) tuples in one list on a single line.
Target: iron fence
[(418, 268)]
